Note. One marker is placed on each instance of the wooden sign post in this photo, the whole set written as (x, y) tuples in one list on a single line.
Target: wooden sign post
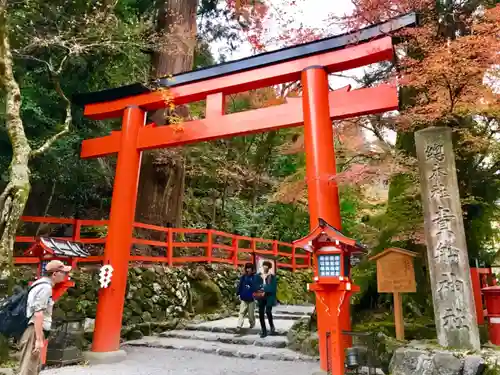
[(396, 275)]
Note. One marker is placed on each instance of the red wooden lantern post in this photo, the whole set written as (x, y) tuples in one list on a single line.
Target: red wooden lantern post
[(332, 253), (310, 63)]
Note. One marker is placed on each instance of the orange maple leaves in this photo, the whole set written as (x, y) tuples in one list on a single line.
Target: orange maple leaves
[(445, 61), (368, 12), (448, 76)]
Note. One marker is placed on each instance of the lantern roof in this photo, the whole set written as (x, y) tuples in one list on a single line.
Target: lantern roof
[(55, 247), (324, 232)]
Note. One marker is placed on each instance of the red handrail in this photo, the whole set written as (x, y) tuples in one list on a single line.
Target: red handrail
[(214, 250)]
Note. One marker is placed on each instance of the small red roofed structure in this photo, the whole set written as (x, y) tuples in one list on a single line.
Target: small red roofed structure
[(47, 249)]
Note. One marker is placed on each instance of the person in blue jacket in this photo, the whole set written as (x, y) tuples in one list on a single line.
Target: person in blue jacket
[(266, 297), (246, 290)]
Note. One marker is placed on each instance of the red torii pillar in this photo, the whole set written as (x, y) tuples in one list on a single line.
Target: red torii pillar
[(121, 225), (317, 109), (323, 195)]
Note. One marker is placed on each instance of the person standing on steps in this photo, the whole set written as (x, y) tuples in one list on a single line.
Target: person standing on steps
[(266, 297), (246, 290)]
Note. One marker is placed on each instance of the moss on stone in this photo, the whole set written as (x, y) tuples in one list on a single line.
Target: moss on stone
[(492, 370), (385, 347), (206, 294), (414, 330), (292, 287), (303, 337), (135, 335)]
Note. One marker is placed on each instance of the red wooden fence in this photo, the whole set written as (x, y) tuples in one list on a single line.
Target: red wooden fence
[(215, 246)]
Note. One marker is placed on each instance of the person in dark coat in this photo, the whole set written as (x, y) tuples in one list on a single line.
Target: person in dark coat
[(266, 297), (246, 289)]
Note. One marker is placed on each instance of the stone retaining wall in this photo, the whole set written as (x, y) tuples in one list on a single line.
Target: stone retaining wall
[(159, 293), (161, 298)]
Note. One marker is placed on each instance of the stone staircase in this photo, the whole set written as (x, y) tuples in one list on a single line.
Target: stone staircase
[(218, 337)]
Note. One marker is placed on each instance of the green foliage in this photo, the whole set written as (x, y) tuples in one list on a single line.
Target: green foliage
[(4, 350), (292, 287), (83, 46)]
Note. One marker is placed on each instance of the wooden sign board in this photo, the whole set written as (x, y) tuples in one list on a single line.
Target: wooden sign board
[(395, 271), (396, 275)]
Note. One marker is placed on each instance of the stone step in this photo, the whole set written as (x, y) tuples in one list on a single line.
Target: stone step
[(301, 310), (228, 338), (228, 325), (283, 316), (219, 348), (232, 330), (294, 309)]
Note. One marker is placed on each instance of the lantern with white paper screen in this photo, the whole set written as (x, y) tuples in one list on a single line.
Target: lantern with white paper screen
[(329, 265), (329, 262)]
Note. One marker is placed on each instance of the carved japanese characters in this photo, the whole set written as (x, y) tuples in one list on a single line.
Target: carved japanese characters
[(446, 246)]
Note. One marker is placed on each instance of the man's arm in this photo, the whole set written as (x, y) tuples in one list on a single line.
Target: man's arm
[(39, 326), (40, 304)]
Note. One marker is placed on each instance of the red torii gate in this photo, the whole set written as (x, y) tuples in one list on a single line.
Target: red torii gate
[(310, 63)]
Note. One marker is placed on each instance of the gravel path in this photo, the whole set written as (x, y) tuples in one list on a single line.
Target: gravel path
[(150, 361)]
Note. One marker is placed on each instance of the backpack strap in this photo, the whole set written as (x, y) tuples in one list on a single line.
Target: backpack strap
[(34, 286)]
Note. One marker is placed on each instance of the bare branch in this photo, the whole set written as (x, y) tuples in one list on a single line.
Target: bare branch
[(67, 120), (60, 69), (377, 133), (15, 53)]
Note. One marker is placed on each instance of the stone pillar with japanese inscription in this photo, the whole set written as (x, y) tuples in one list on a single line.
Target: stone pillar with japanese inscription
[(448, 260)]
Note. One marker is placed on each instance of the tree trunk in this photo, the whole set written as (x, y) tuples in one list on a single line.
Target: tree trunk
[(15, 195), (161, 184)]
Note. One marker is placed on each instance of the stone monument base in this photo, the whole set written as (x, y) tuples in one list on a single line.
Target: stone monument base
[(105, 357), (64, 356), (424, 358)]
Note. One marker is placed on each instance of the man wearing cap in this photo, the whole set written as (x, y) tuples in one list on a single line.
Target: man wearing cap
[(39, 312)]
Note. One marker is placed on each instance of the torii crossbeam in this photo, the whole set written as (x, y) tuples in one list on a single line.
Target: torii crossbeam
[(310, 63)]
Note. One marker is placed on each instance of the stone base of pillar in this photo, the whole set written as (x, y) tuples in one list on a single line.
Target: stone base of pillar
[(98, 358)]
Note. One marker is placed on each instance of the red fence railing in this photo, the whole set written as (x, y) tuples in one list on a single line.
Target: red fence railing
[(172, 246)]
